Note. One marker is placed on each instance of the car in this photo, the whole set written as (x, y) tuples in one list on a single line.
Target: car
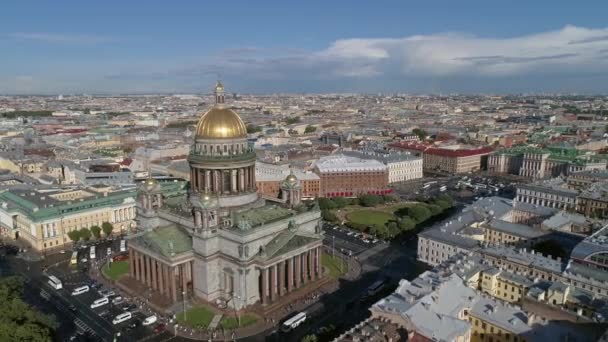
[(159, 328), (105, 314), (350, 233), (72, 308), (107, 293), (117, 300), (62, 251), (150, 320), (83, 260), (130, 307), (135, 324)]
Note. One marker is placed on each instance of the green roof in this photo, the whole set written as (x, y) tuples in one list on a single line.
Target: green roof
[(35, 213), (167, 241), (263, 215)]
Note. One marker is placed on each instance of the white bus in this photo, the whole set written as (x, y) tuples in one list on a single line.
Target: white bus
[(74, 259), (55, 283), (123, 317), (80, 290), (92, 253), (100, 302), (294, 321), (123, 246)]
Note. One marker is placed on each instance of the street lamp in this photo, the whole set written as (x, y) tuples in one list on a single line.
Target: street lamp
[(184, 299), (238, 316)]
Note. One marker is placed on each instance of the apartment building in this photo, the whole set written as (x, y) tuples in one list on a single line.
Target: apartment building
[(342, 175), (401, 166)]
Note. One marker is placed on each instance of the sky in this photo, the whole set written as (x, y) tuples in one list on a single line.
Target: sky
[(413, 46)]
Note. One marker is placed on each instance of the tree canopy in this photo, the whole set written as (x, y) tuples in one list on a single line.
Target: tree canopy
[(96, 231), (107, 228), (74, 235), (310, 129), (85, 234), (18, 320)]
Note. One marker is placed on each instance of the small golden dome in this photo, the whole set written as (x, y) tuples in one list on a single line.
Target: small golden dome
[(291, 178), (151, 181), (222, 123)]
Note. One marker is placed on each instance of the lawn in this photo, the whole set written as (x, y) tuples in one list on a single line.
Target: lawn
[(229, 322), (116, 270), (370, 217), (199, 316), (333, 265)]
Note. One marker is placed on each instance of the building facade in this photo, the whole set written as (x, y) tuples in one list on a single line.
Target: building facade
[(43, 218), (268, 178), (348, 176)]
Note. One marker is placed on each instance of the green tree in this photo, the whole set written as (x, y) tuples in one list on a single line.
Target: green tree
[(85, 234), (310, 338), (96, 231), (419, 213), (310, 129), (370, 200), (326, 203), (18, 320), (107, 228), (253, 129), (329, 216), (293, 120), (422, 134), (434, 209), (74, 235), (406, 224), (341, 202), (393, 229)]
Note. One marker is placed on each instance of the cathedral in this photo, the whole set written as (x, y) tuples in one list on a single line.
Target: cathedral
[(217, 239)]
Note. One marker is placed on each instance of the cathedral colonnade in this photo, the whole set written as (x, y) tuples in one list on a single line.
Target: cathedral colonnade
[(287, 275), (225, 181), (171, 281)]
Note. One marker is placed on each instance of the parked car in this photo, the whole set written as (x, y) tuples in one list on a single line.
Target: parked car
[(159, 328), (117, 300)]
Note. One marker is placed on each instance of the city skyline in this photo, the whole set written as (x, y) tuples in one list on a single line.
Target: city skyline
[(271, 47)]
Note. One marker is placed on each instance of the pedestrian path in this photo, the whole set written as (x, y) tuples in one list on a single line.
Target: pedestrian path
[(215, 321)]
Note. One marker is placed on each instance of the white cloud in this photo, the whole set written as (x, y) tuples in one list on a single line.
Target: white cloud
[(59, 38), (449, 54)]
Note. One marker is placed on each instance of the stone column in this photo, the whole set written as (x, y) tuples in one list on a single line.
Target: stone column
[(319, 267), (241, 180), (184, 279), (135, 263), (252, 177), (281, 278), (161, 278), (154, 275), (264, 285), (148, 271), (289, 274), (311, 267), (207, 180), (173, 285), (298, 271), (233, 186), (131, 264), (273, 282), (305, 267)]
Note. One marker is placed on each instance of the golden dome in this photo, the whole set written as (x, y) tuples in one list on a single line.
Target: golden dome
[(291, 178), (220, 122)]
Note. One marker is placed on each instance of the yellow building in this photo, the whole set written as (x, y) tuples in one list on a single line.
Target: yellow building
[(504, 285), (44, 218), (492, 321)]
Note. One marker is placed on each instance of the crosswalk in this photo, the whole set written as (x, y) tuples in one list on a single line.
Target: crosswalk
[(82, 326)]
